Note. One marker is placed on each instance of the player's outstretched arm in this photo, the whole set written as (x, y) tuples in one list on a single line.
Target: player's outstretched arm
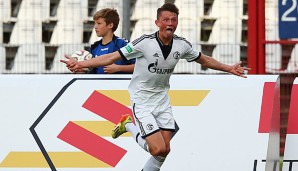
[(107, 59), (210, 62)]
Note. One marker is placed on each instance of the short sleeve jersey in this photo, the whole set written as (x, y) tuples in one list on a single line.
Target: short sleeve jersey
[(155, 64), (97, 49)]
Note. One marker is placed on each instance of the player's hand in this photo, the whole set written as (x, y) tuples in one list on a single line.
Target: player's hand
[(72, 64), (238, 70), (110, 69)]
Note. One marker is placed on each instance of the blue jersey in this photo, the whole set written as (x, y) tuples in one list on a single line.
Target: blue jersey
[(97, 49)]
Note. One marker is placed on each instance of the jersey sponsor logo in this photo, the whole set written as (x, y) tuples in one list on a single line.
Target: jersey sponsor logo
[(103, 49), (128, 48), (176, 55), (153, 69)]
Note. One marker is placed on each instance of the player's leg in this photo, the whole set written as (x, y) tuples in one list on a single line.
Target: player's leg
[(155, 162)]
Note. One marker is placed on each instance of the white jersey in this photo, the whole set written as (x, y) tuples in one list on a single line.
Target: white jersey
[(154, 65)]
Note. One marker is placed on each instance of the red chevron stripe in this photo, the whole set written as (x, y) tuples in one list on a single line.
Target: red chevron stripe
[(106, 107), (92, 144), (293, 112), (267, 107)]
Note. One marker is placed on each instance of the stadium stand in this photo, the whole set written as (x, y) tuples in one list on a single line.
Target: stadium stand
[(2, 59), (69, 49), (226, 9), (190, 8), (26, 31), (143, 26), (146, 9), (36, 10), (293, 62), (29, 59), (66, 32), (5, 6)]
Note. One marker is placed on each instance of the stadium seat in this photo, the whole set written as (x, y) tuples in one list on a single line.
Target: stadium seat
[(1, 32), (26, 31), (190, 29), (273, 54), (37, 10), (146, 9), (271, 9), (226, 9), (190, 8), (184, 67), (226, 31), (67, 32), (293, 63), (225, 53), (73, 10), (30, 58), (69, 49), (5, 8), (2, 59), (271, 29), (144, 26)]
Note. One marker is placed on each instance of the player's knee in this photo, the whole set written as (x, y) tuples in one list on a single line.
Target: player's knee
[(160, 151)]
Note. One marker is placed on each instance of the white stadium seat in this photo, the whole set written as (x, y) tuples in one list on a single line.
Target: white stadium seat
[(2, 59), (67, 32), (146, 9), (190, 29), (293, 63), (226, 31), (63, 49), (26, 31), (38, 10), (273, 54), (190, 8), (144, 26), (1, 32), (271, 9), (5, 10), (30, 58), (74, 10), (225, 53), (271, 29), (226, 9)]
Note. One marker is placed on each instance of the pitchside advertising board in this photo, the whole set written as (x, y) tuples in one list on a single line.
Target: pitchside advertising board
[(288, 19), (63, 123)]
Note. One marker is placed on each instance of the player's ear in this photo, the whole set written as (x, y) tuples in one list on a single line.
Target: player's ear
[(157, 23)]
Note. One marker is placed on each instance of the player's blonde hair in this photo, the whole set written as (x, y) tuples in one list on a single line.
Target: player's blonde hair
[(109, 15)]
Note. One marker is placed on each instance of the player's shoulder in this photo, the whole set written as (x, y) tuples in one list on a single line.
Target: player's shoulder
[(144, 37), (181, 40)]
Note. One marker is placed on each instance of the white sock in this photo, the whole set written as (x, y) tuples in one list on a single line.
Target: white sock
[(132, 128), (154, 163)]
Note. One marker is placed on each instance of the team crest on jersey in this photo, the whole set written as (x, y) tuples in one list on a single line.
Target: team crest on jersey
[(176, 55)]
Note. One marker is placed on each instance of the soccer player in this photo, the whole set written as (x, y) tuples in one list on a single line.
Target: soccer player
[(156, 56), (105, 24)]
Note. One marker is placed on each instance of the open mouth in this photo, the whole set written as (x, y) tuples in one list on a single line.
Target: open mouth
[(169, 29)]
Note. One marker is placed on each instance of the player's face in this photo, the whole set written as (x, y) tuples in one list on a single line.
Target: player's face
[(101, 27), (167, 23)]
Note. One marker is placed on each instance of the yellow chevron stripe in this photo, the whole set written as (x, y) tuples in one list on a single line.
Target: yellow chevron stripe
[(101, 128), (178, 97), (61, 160)]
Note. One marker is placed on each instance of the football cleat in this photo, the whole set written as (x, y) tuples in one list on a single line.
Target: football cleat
[(120, 127)]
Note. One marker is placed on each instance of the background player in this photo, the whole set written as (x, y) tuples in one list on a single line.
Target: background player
[(106, 22)]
